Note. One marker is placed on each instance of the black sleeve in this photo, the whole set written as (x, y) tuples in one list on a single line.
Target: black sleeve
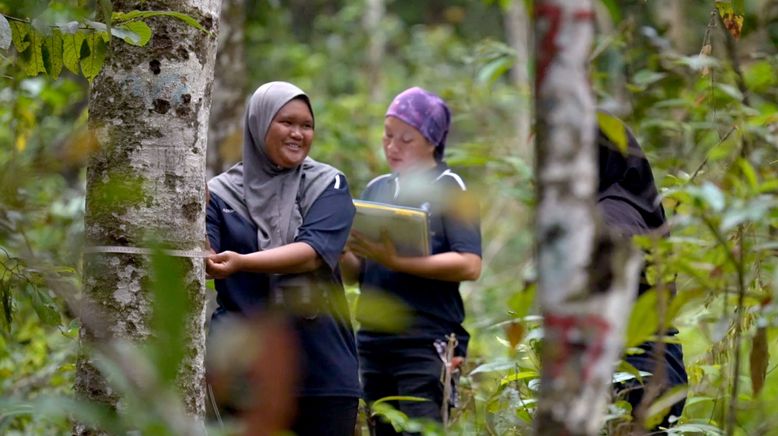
[(213, 220), (327, 224)]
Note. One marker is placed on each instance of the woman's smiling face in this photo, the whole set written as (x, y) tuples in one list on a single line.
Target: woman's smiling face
[(289, 137)]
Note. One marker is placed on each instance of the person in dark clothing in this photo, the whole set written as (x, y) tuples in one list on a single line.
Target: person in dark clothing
[(279, 222), (412, 361), (629, 202)]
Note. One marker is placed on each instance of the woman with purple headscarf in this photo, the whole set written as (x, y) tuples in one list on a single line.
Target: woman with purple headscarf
[(409, 361)]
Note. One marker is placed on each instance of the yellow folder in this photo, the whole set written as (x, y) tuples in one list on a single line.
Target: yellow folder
[(408, 227)]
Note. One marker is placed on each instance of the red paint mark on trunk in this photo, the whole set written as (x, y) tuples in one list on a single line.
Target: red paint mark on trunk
[(576, 335), (548, 46)]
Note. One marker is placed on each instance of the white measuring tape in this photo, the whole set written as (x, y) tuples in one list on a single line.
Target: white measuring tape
[(201, 254)]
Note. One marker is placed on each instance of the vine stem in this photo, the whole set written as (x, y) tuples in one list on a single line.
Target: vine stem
[(737, 261)]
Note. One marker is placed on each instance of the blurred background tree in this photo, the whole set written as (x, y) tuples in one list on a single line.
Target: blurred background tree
[(703, 104)]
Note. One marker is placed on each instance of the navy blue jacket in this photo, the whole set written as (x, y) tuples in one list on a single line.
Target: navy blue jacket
[(328, 349), (436, 305)]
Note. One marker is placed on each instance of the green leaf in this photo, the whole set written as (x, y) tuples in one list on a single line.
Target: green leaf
[(494, 70), (5, 33), (523, 375), (694, 429), (119, 17), (32, 59), (754, 211), (71, 51), (644, 322), (399, 398), (44, 307), (19, 31), (660, 407), (749, 173), (53, 54), (614, 129), (134, 32), (713, 196), (643, 78), (93, 62), (520, 302), (497, 365), (613, 10)]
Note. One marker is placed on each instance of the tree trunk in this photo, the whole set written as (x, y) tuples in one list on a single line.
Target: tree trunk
[(586, 281), (374, 14), (225, 135), (517, 25), (148, 110)]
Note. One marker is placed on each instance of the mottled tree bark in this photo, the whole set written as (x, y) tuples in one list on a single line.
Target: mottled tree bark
[(148, 110), (225, 135), (586, 280)]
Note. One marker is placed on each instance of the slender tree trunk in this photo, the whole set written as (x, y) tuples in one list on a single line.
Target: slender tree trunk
[(374, 14), (517, 30), (225, 134), (587, 281), (671, 13), (148, 110)]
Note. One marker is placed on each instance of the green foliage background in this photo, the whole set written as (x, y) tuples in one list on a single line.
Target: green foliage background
[(709, 129)]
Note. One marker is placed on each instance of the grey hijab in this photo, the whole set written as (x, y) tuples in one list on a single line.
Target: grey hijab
[(276, 199)]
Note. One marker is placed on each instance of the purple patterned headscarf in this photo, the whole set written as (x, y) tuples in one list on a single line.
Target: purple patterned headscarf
[(425, 111)]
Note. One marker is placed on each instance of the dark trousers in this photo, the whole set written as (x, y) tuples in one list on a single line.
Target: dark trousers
[(674, 375), (326, 416), (405, 371)]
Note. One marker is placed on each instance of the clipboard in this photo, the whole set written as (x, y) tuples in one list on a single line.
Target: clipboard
[(408, 227)]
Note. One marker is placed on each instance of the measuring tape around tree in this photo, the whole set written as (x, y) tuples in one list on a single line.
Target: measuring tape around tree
[(198, 254)]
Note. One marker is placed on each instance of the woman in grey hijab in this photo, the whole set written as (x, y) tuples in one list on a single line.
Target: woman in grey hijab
[(279, 221)]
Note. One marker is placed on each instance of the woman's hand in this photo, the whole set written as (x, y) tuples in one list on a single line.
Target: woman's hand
[(223, 265), (382, 251)]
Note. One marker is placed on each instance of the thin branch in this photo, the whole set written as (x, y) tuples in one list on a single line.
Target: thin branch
[(705, 161)]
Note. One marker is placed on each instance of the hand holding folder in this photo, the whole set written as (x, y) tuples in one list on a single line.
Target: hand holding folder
[(406, 227)]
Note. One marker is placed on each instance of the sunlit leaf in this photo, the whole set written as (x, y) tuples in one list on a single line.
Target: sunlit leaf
[(399, 398), (71, 51), (497, 365), (614, 129), (644, 321), (520, 302), (92, 63), (18, 35), (134, 32), (518, 376), (33, 58), (661, 406), (119, 17), (695, 429)]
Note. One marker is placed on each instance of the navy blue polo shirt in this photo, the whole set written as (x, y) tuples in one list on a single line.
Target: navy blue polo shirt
[(436, 305), (327, 344)]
